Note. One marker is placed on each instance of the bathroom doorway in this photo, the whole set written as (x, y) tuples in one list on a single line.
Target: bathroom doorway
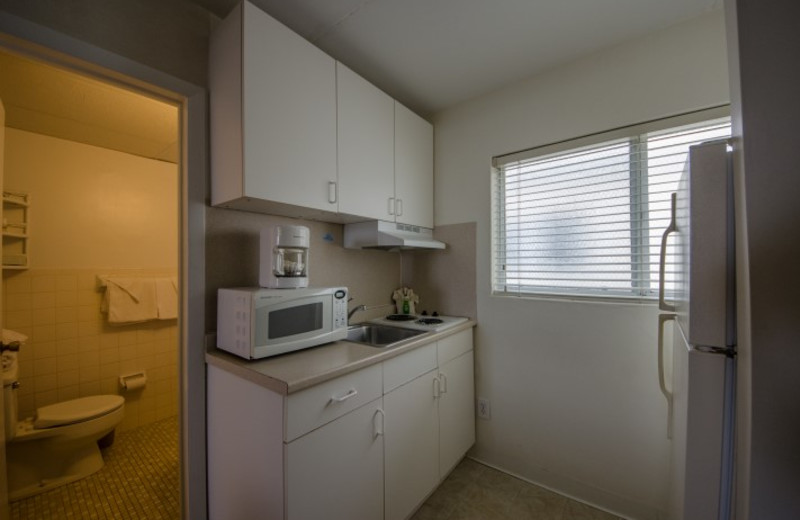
[(98, 169)]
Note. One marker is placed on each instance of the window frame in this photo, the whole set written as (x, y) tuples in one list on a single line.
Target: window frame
[(640, 228)]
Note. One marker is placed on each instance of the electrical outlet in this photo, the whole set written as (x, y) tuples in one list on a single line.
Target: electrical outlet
[(484, 409)]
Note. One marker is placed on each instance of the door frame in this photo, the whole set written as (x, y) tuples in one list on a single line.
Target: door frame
[(20, 36)]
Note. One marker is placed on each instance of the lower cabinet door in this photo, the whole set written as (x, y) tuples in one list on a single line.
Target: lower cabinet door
[(412, 445), (336, 471), (456, 411)]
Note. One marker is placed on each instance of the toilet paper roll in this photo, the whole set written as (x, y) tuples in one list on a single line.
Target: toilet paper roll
[(132, 382)]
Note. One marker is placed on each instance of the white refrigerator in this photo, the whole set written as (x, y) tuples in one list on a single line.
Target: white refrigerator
[(699, 300)]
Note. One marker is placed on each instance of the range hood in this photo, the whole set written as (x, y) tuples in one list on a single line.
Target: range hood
[(378, 234)]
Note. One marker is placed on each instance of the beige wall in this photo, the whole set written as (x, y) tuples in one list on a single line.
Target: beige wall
[(573, 385), (93, 211)]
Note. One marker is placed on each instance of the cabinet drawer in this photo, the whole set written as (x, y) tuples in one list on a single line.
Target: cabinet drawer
[(402, 369), (320, 404), (453, 346)]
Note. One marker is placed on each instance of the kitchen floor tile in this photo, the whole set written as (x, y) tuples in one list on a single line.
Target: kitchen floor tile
[(475, 491)]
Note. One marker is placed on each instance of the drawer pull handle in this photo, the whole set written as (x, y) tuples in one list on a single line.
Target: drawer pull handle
[(444, 383), (352, 393), (437, 388), (378, 427)]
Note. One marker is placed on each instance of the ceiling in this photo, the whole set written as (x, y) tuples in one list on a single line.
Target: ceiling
[(47, 100), (428, 54), (432, 54)]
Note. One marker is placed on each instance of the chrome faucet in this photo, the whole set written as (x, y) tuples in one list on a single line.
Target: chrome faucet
[(355, 309)]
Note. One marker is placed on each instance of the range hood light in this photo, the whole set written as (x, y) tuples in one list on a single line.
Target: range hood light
[(378, 234)]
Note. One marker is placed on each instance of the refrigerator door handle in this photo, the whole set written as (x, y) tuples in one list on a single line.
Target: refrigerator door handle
[(662, 383), (662, 260)]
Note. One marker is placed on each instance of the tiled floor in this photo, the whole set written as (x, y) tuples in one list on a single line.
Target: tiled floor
[(477, 492), (139, 480)]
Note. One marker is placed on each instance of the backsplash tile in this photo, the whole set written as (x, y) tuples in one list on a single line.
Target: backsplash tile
[(73, 352)]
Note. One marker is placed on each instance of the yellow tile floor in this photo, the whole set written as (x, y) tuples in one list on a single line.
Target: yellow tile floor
[(477, 492), (140, 480)]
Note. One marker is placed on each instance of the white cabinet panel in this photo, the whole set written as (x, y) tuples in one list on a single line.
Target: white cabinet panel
[(273, 115), (413, 168), (365, 124), (412, 445), (336, 472), (456, 411)]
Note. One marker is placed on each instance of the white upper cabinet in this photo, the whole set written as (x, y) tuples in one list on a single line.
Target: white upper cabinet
[(413, 168), (365, 125), (273, 116)]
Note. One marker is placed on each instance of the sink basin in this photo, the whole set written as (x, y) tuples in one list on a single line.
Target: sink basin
[(379, 335)]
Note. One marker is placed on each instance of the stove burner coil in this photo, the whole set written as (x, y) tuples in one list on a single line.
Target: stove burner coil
[(401, 317), (429, 321)]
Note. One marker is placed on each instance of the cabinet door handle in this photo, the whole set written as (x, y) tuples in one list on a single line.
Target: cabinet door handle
[(352, 393), (399, 207), (378, 427), (444, 383), (332, 192), (437, 388), (391, 206)]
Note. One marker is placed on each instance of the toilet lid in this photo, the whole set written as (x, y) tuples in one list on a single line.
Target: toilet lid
[(76, 410)]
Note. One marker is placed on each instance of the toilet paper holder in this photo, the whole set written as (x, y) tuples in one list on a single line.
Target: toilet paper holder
[(133, 381)]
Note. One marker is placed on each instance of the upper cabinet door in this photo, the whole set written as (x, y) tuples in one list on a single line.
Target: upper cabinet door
[(273, 115), (413, 168), (289, 115), (366, 147)]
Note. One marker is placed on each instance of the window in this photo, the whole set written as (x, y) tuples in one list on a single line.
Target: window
[(585, 217)]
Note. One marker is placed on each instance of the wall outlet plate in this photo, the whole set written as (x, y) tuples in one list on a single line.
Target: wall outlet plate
[(484, 409)]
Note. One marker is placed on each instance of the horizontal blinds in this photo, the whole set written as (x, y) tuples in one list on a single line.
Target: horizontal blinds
[(588, 221)]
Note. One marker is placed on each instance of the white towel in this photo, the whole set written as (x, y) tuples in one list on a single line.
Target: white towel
[(167, 298), (131, 300)]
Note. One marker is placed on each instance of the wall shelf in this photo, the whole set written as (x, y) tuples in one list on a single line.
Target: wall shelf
[(15, 230)]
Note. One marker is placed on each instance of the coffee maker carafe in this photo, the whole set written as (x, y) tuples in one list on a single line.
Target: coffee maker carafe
[(284, 257)]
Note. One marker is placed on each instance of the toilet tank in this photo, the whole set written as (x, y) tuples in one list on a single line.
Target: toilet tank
[(10, 383)]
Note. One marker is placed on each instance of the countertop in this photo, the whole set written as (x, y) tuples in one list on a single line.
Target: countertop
[(289, 373)]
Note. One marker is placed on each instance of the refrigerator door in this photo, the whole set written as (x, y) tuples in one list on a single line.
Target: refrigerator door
[(697, 431), (705, 246)]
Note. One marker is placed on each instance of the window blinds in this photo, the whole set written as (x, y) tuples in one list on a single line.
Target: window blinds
[(588, 220)]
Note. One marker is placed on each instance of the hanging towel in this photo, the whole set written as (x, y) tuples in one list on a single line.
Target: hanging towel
[(131, 300), (167, 298)]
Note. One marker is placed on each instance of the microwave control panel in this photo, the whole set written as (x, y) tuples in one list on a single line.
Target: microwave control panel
[(340, 308)]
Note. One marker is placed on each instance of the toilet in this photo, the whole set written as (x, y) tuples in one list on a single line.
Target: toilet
[(59, 444)]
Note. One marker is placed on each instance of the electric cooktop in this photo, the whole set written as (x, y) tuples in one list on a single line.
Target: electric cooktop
[(434, 322)]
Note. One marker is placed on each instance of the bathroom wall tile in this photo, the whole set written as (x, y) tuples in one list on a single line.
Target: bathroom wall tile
[(68, 282), (67, 347), (147, 362), (43, 283), (26, 402), (127, 352), (69, 362), (68, 378), (89, 344), (147, 417), (66, 298), (46, 398), (109, 385), (43, 349), (20, 283), (89, 328), (66, 393), (45, 366), (109, 340), (127, 337), (66, 330), (126, 366), (90, 388), (44, 316), (167, 359), (89, 313), (109, 355), (45, 383), (42, 333), (90, 298), (145, 335), (89, 359), (109, 370), (89, 374), (18, 302), (45, 300), (17, 319), (159, 374), (146, 349), (67, 314)]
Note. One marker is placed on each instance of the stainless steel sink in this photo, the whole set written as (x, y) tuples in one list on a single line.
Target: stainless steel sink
[(379, 335)]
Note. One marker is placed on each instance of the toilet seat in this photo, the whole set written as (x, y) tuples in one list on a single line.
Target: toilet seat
[(76, 410)]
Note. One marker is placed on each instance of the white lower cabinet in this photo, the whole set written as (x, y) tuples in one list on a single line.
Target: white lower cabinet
[(336, 472), (370, 444)]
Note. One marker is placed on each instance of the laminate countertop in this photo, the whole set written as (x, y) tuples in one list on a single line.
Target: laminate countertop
[(289, 373)]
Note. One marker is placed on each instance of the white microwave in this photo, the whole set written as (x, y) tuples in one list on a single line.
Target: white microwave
[(254, 323)]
